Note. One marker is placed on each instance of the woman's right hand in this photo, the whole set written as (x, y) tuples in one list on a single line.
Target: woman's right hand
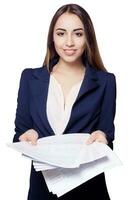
[(30, 136)]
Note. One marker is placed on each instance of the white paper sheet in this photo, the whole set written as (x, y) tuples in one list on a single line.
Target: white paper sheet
[(61, 151), (66, 151), (66, 161), (87, 153), (61, 180)]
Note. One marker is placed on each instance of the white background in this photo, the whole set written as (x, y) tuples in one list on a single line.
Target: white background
[(23, 32)]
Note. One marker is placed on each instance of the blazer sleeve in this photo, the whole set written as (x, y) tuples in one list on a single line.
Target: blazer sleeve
[(23, 120), (108, 109)]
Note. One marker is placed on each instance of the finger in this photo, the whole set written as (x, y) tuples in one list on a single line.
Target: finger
[(91, 139), (102, 141), (33, 139), (22, 138)]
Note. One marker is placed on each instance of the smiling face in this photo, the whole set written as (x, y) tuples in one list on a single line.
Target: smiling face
[(69, 37)]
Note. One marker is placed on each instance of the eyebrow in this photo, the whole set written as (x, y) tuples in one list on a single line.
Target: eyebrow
[(62, 29)]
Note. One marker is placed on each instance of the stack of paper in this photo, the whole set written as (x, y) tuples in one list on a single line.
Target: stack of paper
[(66, 161)]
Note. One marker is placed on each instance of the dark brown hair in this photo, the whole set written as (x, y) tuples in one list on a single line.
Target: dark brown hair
[(91, 52)]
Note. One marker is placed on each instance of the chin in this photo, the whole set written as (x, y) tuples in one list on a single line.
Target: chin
[(70, 59)]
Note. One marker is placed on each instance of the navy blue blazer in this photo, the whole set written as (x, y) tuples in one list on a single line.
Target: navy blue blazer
[(94, 108)]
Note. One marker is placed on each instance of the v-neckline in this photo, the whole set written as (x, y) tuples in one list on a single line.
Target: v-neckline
[(70, 91)]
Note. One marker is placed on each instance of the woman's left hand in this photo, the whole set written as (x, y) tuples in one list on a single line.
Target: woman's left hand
[(97, 136)]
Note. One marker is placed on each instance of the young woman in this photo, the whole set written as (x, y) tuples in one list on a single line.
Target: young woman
[(72, 92)]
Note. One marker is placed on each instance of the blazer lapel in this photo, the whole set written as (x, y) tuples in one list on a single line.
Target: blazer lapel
[(39, 87), (90, 81)]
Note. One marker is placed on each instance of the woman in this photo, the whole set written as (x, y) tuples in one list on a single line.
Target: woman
[(72, 92)]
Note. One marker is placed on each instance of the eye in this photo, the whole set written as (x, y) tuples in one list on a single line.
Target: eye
[(79, 34), (60, 33)]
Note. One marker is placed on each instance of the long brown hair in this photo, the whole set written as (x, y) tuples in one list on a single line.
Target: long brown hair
[(91, 52)]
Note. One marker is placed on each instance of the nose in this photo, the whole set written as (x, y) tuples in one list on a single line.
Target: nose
[(69, 41)]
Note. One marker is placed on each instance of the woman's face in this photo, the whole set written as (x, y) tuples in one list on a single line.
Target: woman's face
[(69, 37)]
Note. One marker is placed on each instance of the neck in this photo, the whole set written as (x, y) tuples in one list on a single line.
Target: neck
[(69, 67)]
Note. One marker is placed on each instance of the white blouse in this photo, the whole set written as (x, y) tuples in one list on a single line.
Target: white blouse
[(58, 113)]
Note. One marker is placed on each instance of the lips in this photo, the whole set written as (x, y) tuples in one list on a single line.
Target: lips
[(69, 51)]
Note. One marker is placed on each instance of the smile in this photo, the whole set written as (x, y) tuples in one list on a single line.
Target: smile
[(69, 51)]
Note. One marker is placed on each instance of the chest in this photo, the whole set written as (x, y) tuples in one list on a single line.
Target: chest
[(68, 83)]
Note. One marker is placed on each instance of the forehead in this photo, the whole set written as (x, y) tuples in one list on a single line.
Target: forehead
[(69, 21)]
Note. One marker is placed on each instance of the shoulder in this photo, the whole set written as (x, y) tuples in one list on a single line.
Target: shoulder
[(108, 80), (106, 77), (28, 73)]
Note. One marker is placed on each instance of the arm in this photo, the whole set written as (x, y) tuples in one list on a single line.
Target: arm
[(23, 120), (105, 128), (106, 122)]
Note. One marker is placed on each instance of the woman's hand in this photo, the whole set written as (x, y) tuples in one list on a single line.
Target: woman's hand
[(97, 136), (30, 136)]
